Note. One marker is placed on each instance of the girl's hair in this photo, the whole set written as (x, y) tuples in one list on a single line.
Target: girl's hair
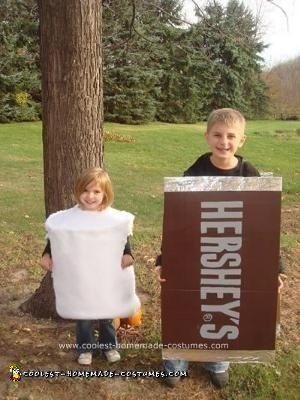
[(228, 116), (101, 178)]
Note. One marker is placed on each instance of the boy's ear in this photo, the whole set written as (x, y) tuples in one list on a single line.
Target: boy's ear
[(242, 141)]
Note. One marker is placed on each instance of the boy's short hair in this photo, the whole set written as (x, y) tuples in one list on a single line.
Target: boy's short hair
[(228, 116), (101, 178)]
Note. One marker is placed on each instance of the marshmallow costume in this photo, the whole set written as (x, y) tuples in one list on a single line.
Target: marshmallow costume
[(87, 248)]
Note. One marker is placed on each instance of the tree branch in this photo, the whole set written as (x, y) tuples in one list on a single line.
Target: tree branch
[(282, 10)]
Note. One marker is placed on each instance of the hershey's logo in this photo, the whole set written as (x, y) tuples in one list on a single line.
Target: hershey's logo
[(220, 246)]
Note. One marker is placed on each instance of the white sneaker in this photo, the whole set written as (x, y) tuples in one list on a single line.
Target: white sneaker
[(85, 359), (112, 356)]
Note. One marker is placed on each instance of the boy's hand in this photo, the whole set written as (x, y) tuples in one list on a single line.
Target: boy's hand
[(46, 262), (281, 279), (157, 270), (126, 261)]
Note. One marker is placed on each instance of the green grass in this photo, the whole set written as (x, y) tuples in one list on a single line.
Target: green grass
[(137, 169), (21, 175), (279, 381)]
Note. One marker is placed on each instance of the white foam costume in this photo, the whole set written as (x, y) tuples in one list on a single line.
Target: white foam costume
[(87, 248)]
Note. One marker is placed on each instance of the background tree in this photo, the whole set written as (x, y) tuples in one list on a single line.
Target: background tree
[(156, 67), (229, 38), (283, 81), (71, 61), (177, 98), (128, 80), (134, 55), (19, 58)]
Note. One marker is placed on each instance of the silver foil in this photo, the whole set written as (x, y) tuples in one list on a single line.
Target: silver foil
[(222, 183)]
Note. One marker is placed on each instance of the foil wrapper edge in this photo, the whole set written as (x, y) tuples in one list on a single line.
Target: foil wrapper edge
[(222, 183)]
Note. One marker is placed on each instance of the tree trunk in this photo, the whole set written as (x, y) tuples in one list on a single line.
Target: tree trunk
[(71, 64)]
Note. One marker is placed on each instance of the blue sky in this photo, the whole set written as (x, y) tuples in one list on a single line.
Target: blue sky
[(281, 33)]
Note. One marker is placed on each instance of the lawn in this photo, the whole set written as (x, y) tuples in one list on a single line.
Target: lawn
[(137, 168)]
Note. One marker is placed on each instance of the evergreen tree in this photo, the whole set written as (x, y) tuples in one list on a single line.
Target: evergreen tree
[(229, 39), (178, 99), (19, 72), (154, 66), (132, 71)]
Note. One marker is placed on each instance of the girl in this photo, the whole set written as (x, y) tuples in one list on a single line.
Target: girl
[(94, 195)]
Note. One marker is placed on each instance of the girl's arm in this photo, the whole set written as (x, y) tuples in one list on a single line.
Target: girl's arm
[(127, 258), (46, 260), (47, 249), (127, 249)]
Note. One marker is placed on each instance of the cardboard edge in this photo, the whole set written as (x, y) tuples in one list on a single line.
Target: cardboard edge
[(236, 356)]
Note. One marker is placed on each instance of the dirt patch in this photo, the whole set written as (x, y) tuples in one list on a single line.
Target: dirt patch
[(290, 321), (32, 345), (290, 220), (19, 275)]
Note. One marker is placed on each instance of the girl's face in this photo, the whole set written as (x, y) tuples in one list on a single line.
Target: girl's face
[(91, 198)]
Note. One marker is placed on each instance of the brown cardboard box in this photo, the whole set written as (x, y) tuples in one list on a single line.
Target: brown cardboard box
[(220, 258)]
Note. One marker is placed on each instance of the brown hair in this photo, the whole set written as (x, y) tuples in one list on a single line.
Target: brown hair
[(228, 116), (101, 178)]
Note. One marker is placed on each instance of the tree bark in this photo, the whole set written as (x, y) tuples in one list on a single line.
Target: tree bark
[(72, 109)]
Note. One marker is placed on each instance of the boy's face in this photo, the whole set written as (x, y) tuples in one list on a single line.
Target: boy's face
[(224, 140)]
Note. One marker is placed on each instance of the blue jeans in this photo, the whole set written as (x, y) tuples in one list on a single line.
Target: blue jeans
[(182, 365), (85, 335)]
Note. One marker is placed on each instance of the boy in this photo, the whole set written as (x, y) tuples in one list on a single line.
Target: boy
[(224, 135)]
